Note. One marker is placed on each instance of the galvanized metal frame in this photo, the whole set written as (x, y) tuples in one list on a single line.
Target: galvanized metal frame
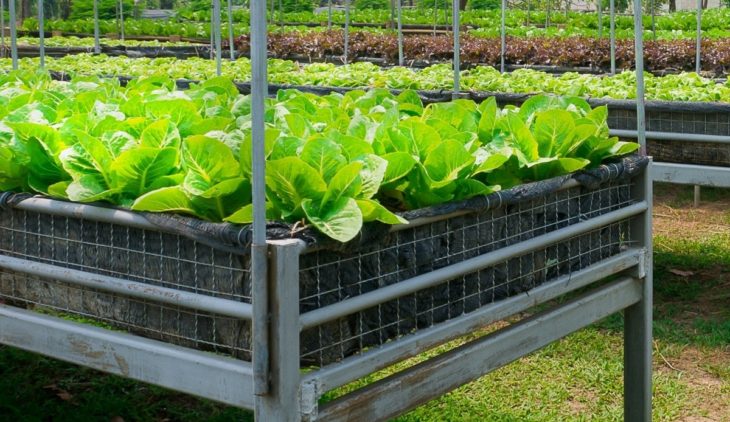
[(278, 391), (683, 173)]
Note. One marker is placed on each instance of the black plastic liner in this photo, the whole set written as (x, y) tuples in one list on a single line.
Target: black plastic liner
[(179, 51)]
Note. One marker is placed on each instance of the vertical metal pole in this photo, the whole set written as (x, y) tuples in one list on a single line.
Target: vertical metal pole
[(457, 48), (271, 18), (230, 31), (329, 15), (212, 33), (282, 403), (435, 15), (41, 35), (599, 6), (281, 14), (218, 44), (400, 32), (612, 41), (698, 46), (503, 36), (638, 321), (639, 59), (259, 264), (13, 35), (653, 23), (121, 18), (547, 14), (698, 194), (97, 47), (2, 25), (347, 29), (529, 8)]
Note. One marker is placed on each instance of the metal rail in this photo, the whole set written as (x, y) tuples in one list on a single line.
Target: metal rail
[(672, 136), (352, 368), (692, 174), (190, 371), (416, 385), (412, 285), (128, 288)]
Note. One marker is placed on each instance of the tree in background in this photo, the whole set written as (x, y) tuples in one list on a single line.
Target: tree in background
[(107, 9), (372, 4), (483, 4)]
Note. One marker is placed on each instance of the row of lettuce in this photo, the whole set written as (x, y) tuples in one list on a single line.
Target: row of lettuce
[(334, 162), (519, 22), (680, 87)]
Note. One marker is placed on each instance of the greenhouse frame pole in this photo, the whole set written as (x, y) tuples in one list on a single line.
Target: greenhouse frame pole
[(2, 26), (599, 7), (638, 317), (639, 60), (653, 23), (212, 32), (41, 35), (97, 48), (121, 19), (503, 36), (399, 6), (435, 15), (13, 35), (259, 248), (230, 30), (347, 30), (547, 14), (271, 18), (698, 46), (329, 15), (457, 48), (218, 44), (612, 35), (281, 14)]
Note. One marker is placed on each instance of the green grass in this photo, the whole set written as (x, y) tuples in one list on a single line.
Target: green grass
[(576, 379)]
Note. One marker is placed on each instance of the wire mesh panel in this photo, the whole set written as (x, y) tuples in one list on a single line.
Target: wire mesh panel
[(328, 277), (150, 257), (701, 153)]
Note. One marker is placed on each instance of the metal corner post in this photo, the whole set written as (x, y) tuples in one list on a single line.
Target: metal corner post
[(282, 402), (457, 48), (638, 319), (259, 247)]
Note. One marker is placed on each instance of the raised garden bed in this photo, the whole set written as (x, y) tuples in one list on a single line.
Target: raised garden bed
[(213, 259)]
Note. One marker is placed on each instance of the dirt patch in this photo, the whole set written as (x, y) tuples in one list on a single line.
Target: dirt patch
[(709, 398), (675, 214)]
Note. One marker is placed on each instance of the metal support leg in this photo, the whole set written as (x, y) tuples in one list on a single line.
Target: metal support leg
[(638, 322), (281, 404), (697, 196)]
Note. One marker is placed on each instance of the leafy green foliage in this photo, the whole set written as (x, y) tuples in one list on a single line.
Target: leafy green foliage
[(372, 4), (334, 162), (107, 9)]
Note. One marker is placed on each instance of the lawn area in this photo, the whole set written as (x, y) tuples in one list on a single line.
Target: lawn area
[(576, 379)]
